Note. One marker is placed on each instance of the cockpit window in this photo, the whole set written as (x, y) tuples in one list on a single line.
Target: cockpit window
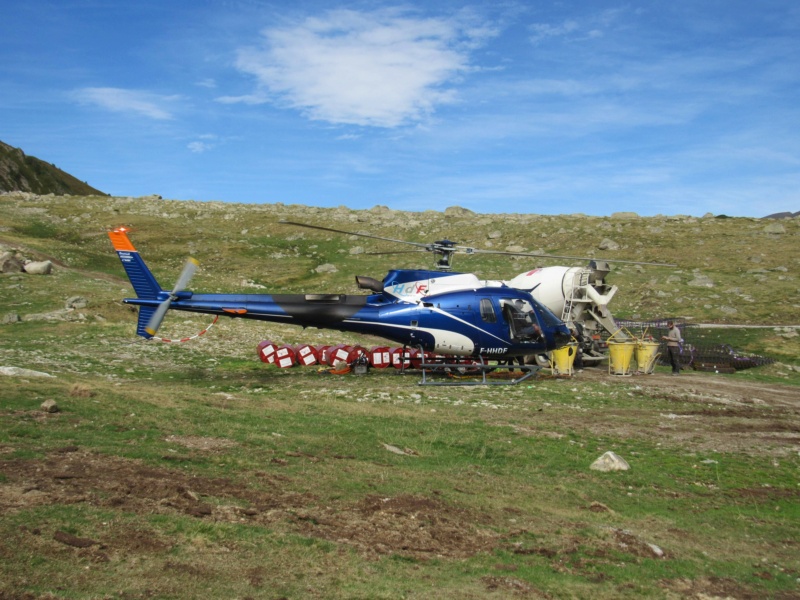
[(548, 317), (522, 322), (487, 311)]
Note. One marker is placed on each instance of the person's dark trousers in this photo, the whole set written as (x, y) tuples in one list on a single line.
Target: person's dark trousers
[(675, 359)]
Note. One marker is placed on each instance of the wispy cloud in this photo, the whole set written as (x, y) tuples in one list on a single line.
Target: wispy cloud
[(126, 101), (542, 31), (381, 69), (203, 143), (198, 147)]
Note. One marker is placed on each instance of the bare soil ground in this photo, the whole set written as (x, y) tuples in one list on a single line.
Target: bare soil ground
[(722, 413), (405, 525)]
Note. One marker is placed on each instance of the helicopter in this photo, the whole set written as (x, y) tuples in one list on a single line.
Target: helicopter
[(437, 311), (579, 296)]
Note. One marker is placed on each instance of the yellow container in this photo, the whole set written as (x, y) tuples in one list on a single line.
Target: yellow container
[(620, 357), (646, 356), (562, 359)]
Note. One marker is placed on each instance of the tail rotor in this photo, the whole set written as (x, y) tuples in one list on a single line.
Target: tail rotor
[(189, 270)]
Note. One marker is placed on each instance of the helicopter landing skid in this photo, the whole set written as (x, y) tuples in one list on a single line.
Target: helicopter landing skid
[(470, 371)]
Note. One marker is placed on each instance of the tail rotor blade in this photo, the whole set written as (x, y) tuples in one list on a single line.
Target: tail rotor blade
[(189, 270), (155, 321)]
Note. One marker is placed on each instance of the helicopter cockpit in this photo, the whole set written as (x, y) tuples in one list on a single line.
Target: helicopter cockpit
[(522, 322)]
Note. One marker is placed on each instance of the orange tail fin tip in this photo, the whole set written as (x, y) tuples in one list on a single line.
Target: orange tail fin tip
[(120, 241)]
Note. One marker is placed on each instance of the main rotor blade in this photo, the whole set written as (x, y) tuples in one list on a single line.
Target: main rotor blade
[(469, 250), (366, 235), (542, 255)]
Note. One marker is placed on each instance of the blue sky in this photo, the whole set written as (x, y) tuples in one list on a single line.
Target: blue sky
[(658, 107)]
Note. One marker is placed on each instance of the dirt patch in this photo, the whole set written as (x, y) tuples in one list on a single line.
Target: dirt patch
[(406, 525), (711, 413)]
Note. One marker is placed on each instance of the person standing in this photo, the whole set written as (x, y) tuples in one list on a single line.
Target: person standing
[(674, 341)]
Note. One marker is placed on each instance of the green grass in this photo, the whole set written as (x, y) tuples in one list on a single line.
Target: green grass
[(534, 492)]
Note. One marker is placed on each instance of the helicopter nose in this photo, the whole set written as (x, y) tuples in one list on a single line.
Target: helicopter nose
[(562, 336)]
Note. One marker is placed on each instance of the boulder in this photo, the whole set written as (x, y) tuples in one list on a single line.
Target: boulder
[(701, 281), (42, 267), (20, 372), (76, 302), (49, 406), (458, 211), (9, 263), (608, 244), (326, 268), (610, 461)]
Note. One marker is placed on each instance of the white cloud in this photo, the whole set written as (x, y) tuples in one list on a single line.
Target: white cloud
[(542, 31), (126, 101), (199, 147), (378, 69)]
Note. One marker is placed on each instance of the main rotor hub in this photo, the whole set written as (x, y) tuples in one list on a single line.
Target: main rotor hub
[(443, 251)]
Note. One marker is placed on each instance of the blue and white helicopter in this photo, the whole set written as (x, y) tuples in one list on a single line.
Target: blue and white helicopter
[(438, 311)]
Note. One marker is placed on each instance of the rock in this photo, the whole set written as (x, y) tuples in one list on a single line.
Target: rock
[(11, 318), (44, 267), (608, 244), (701, 281), (457, 211), (9, 263), (775, 228), (49, 406), (396, 450), (657, 552), (76, 302), (495, 235), (624, 215), (17, 372), (326, 268), (610, 461)]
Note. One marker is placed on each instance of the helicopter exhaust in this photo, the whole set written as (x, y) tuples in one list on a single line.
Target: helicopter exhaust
[(369, 283)]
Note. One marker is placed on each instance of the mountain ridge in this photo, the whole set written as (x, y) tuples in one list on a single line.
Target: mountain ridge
[(22, 173)]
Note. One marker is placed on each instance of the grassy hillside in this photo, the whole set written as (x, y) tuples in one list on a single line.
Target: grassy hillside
[(19, 172), (729, 270)]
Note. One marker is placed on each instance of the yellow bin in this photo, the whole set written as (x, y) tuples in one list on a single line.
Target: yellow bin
[(562, 359), (646, 356), (620, 357)]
